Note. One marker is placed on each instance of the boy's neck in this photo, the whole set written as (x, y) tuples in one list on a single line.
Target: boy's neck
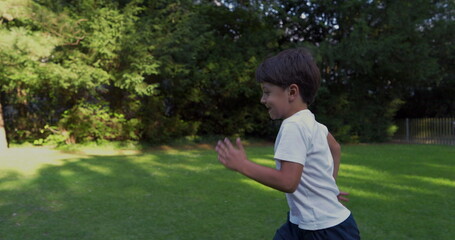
[(297, 107)]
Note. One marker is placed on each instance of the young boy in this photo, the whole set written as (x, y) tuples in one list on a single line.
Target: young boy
[(306, 154)]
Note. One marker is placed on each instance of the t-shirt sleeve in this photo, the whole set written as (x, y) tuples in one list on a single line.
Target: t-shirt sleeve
[(292, 145), (325, 130)]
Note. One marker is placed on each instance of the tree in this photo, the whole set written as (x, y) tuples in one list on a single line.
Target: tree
[(172, 69), (436, 98), (208, 54), (23, 49), (65, 53), (370, 53), (3, 140)]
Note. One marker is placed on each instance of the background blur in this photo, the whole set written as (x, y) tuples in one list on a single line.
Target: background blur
[(155, 70)]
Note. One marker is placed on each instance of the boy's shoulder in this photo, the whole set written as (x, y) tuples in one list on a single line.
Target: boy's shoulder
[(301, 117), (305, 120)]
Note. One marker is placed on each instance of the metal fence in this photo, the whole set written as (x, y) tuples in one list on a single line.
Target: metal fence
[(426, 130)]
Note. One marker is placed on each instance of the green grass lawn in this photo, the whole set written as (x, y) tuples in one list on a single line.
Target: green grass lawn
[(396, 191)]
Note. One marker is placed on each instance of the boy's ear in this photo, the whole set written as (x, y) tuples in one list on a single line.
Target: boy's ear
[(293, 92)]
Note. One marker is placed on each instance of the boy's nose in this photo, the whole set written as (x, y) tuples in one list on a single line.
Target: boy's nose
[(263, 100)]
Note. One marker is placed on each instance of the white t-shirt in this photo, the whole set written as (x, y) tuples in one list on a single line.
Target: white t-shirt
[(314, 205)]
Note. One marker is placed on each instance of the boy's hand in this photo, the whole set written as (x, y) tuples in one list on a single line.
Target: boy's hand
[(342, 198), (231, 157)]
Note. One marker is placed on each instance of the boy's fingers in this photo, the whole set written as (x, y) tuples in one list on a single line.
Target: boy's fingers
[(239, 144), (343, 199), (221, 145), (228, 143), (221, 159), (220, 148)]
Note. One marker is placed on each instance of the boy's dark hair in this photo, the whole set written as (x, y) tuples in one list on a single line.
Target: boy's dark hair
[(292, 66)]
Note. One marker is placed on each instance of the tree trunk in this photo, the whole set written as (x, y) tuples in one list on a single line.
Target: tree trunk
[(3, 141)]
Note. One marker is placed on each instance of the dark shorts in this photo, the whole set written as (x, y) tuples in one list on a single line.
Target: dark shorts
[(346, 230)]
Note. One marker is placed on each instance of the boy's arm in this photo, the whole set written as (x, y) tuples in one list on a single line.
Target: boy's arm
[(335, 149), (286, 179)]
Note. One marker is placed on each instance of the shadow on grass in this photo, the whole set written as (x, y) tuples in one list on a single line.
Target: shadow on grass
[(397, 192), (401, 191), (158, 195)]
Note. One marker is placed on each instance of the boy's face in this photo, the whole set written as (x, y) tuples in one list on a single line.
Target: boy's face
[(276, 100)]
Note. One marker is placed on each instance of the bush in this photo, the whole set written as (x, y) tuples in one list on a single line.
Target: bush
[(91, 122), (162, 129)]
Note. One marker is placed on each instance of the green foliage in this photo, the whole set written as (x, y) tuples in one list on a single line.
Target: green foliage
[(208, 57), (370, 62), (186, 68), (91, 122)]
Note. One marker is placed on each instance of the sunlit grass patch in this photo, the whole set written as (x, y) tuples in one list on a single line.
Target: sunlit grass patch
[(445, 182), (401, 191), (396, 192)]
